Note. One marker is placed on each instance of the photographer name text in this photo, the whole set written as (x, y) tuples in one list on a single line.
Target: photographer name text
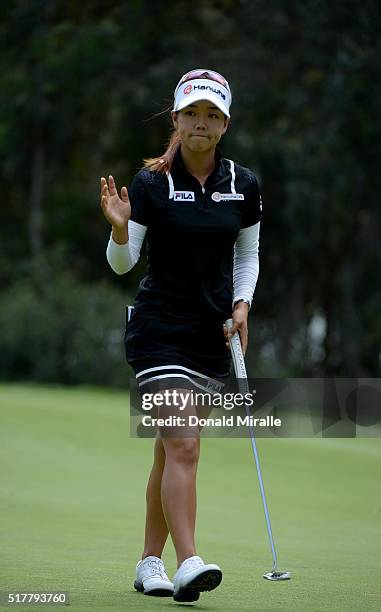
[(193, 420)]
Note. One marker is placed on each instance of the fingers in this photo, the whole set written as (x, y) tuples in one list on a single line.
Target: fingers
[(229, 333), (104, 192), (124, 194), (103, 186), (241, 328), (234, 327), (112, 186), (111, 190), (244, 338)]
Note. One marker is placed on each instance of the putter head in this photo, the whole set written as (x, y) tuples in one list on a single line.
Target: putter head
[(277, 576)]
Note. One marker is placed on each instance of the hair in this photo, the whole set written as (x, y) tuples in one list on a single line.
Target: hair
[(163, 163)]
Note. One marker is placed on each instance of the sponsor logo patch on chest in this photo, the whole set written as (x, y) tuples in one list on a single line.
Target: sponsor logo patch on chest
[(222, 197), (185, 196)]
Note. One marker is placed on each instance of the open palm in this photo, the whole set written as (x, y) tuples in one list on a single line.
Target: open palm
[(117, 210)]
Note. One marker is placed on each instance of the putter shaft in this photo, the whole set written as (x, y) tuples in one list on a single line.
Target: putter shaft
[(241, 375)]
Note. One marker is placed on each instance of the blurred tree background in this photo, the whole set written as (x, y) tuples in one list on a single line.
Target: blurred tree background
[(82, 88)]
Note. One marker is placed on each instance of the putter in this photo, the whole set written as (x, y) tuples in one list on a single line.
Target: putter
[(243, 385)]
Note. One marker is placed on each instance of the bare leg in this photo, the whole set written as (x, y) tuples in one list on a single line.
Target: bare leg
[(178, 487), (156, 530), (178, 493)]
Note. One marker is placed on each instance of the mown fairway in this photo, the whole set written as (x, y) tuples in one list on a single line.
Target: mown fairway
[(72, 510)]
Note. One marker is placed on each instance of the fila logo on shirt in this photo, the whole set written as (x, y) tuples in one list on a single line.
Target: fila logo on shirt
[(218, 197), (187, 196)]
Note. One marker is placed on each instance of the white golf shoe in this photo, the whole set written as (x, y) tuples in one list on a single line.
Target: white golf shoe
[(151, 578), (193, 577)]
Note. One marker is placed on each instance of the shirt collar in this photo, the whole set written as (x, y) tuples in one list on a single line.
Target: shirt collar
[(179, 163)]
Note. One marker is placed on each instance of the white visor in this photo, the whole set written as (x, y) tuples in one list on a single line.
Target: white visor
[(202, 89)]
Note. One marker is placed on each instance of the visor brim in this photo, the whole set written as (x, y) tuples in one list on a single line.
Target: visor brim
[(197, 97)]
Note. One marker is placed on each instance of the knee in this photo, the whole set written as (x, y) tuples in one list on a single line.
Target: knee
[(183, 450)]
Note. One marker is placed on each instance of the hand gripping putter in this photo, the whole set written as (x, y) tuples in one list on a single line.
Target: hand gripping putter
[(243, 385)]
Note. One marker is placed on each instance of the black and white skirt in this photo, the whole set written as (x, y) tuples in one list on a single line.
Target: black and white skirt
[(168, 354)]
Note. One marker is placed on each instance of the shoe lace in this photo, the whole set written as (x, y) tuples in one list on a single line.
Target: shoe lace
[(157, 568)]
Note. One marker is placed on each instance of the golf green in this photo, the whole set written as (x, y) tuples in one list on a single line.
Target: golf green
[(72, 496)]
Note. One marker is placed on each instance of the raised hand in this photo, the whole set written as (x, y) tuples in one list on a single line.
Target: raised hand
[(117, 210)]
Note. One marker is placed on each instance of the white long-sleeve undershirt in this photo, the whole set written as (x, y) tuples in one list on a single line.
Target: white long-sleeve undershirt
[(123, 257), (246, 263)]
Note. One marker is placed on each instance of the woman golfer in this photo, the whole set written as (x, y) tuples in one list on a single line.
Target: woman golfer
[(201, 215)]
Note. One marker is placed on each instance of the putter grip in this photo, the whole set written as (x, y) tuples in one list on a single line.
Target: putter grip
[(237, 354)]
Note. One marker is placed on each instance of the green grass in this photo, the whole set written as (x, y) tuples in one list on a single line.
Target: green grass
[(72, 490)]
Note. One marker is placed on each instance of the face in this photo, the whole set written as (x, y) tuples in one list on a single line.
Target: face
[(200, 126)]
